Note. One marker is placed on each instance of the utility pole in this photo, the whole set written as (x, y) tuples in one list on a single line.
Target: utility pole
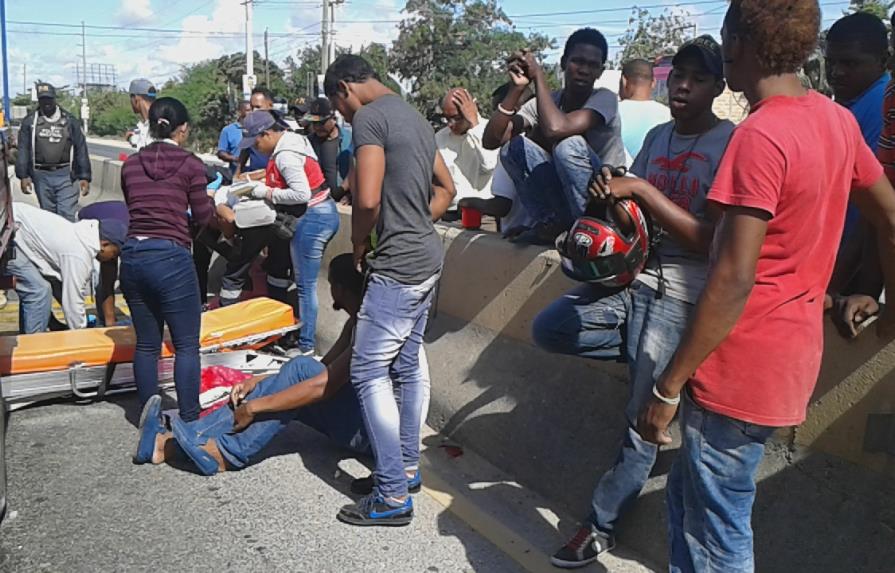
[(25, 78), (248, 81), (325, 36), (85, 106), (5, 62), (266, 63)]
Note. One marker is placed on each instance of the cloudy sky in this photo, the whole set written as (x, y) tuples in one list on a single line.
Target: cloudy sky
[(154, 38)]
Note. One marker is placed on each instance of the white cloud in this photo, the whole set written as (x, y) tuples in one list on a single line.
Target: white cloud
[(135, 12)]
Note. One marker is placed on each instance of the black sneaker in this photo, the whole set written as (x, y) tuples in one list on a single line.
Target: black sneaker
[(373, 510), (583, 549), (364, 486)]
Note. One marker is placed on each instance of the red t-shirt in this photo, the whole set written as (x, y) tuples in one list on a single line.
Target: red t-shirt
[(797, 159)]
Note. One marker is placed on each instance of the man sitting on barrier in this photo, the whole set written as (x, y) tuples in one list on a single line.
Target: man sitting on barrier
[(569, 132), (54, 258), (315, 393)]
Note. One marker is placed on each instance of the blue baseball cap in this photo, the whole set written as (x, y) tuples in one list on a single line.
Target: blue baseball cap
[(113, 231), (254, 124)]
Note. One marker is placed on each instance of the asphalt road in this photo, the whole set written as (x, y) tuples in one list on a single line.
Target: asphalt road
[(78, 503)]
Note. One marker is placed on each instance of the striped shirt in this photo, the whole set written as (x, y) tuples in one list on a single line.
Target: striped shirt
[(160, 183), (886, 150)]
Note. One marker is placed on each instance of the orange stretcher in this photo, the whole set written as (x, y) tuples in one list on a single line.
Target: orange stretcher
[(89, 363)]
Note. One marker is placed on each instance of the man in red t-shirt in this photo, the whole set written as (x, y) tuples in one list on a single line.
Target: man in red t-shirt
[(750, 358)]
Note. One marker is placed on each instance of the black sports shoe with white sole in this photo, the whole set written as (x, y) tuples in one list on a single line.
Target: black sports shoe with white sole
[(583, 549)]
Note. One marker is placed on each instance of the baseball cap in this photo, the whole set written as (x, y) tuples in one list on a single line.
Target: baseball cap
[(319, 110), (254, 124), (45, 90), (114, 231), (142, 87), (709, 52)]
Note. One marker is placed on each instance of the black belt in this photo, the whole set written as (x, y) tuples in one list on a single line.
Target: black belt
[(45, 167)]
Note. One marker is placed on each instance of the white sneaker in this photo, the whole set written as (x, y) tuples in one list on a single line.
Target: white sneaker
[(3, 299)]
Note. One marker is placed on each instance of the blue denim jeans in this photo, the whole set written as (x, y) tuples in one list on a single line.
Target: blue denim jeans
[(159, 283), (655, 326), (56, 193), (710, 492), (588, 321), (633, 324), (338, 417), (35, 294), (551, 186), (388, 376), (314, 231)]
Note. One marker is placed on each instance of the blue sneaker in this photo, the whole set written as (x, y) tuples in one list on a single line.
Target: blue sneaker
[(364, 486), (151, 425), (188, 441), (374, 510)]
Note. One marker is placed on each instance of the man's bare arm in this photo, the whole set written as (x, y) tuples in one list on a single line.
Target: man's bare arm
[(877, 204), (741, 233), (342, 344), (367, 197), (443, 187), (308, 392)]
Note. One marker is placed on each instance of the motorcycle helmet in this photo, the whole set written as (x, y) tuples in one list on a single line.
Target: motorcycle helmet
[(596, 250)]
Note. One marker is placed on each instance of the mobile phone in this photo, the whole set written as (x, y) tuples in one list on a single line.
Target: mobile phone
[(859, 328)]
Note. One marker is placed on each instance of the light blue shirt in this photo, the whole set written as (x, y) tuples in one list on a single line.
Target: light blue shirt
[(229, 141), (638, 117)]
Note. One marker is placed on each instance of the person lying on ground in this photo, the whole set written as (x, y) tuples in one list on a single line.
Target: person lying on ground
[(315, 393)]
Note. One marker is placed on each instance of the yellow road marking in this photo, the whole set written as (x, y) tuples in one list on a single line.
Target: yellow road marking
[(524, 553)]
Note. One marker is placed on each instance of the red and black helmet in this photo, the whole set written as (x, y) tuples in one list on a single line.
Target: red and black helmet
[(596, 250)]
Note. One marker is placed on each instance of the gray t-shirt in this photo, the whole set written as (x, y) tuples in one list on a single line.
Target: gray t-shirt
[(408, 249), (605, 140), (683, 168)]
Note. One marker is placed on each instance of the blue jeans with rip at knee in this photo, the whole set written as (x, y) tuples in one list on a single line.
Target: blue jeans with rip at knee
[(387, 374)]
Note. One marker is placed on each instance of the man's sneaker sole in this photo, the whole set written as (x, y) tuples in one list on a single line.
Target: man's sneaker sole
[(383, 522), (562, 564)]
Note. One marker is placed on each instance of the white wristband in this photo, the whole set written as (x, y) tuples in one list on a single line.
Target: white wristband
[(505, 111), (670, 401)]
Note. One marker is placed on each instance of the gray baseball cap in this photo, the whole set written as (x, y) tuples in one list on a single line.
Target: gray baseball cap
[(254, 124), (142, 87)]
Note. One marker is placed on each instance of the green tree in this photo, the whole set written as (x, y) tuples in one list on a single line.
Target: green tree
[(456, 43), (203, 90), (110, 113), (879, 8), (378, 56), (651, 36)]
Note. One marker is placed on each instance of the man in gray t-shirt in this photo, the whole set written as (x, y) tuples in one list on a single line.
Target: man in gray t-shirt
[(644, 322), (552, 145), (396, 163), (682, 167)]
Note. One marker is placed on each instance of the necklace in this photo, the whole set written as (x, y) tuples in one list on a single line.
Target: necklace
[(672, 155)]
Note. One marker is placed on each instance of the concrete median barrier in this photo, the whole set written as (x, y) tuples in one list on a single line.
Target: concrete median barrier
[(554, 422)]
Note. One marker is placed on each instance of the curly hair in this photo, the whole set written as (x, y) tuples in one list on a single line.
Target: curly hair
[(783, 32)]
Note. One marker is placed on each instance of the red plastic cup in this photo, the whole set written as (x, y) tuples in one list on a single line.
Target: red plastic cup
[(122, 156), (470, 218)]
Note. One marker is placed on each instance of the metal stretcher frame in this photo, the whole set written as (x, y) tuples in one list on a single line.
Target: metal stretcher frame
[(96, 382)]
